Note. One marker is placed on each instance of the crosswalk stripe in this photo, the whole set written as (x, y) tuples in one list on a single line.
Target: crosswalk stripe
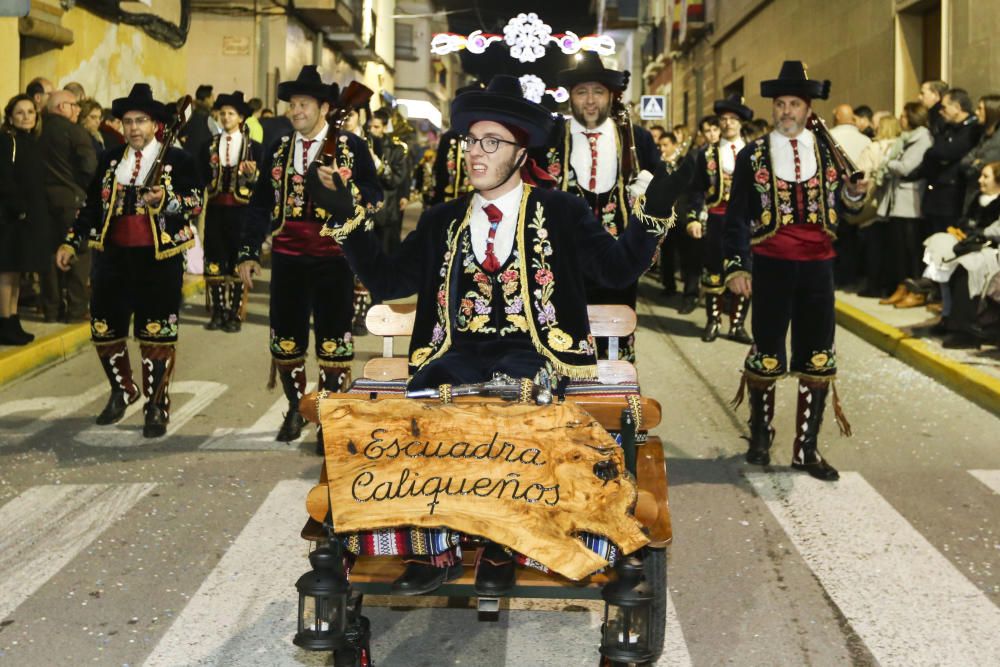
[(56, 407), (203, 393), (908, 603), (675, 650), (44, 528), (260, 436), (245, 611), (990, 478)]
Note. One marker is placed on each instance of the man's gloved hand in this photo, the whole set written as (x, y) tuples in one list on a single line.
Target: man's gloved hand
[(328, 191), (665, 188)]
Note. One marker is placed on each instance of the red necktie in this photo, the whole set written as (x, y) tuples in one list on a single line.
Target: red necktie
[(138, 165), (228, 161), (795, 157), (592, 138), (800, 203), (491, 263), (733, 146), (306, 143)]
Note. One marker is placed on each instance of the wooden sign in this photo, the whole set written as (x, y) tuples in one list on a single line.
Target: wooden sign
[(529, 477)]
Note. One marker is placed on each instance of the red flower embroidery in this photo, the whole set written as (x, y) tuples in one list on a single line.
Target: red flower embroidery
[(782, 185), (105, 194), (813, 182), (711, 165), (831, 174), (466, 306), (762, 176), (214, 159), (276, 173), (480, 277), (543, 276), (441, 298), (345, 174), (555, 169), (508, 276)]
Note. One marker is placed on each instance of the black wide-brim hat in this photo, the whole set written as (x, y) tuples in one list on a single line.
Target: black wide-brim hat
[(793, 80), (308, 83), (590, 68), (503, 102), (733, 104), (235, 101), (140, 98)]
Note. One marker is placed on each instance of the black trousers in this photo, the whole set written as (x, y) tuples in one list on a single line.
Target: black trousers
[(800, 294), (223, 228), (680, 249), (317, 288), (131, 282), (904, 250), (964, 306), (713, 254)]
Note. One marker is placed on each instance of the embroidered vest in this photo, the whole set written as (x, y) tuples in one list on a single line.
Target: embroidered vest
[(291, 201), (228, 180)]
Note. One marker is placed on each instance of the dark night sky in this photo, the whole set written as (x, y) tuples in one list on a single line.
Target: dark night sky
[(491, 16)]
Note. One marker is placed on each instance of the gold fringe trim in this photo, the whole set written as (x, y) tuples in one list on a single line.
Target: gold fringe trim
[(838, 413), (109, 343), (656, 225), (272, 380), (749, 380), (340, 234), (737, 400), (176, 250)]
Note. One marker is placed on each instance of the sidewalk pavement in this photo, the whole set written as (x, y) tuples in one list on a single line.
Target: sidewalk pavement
[(57, 341), (974, 374)]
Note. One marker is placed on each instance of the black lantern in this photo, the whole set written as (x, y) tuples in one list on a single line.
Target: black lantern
[(627, 615), (323, 595)]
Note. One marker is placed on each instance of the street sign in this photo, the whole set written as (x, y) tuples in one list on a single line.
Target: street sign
[(653, 107)]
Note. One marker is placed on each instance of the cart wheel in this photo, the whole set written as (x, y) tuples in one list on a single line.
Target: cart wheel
[(654, 566)]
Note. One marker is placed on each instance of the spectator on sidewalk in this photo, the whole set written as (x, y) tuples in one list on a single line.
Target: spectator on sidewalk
[(111, 130), (873, 229), (39, 90), (77, 89), (848, 269), (90, 120), (864, 120), (253, 122), (197, 133), (70, 163), (903, 205), (23, 212), (931, 95), (986, 151)]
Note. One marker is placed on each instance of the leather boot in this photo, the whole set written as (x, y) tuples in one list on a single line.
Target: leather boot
[(9, 334), (761, 394), (912, 300), (293, 383), (737, 331), (421, 576), (157, 369), (495, 571), (714, 322), (335, 379), (16, 326), (362, 302), (118, 369), (217, 304), (896, 296), (234, 315), (808, 419)]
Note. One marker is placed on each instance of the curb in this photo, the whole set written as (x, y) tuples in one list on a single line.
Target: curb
[(61, 345), (975, 385)]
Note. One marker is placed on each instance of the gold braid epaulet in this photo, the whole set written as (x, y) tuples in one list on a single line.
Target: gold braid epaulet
[(341, 232), (654, 225)]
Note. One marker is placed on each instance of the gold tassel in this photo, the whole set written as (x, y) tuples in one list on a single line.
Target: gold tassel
[(738, 398), (838, 413)]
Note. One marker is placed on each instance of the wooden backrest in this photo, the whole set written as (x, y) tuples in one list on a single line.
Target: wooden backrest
[(394, 320)]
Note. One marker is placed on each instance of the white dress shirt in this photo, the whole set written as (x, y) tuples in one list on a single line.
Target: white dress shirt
[(234, 151), (727, 156), (479, 225), (313, 149), (783, 159), (123, 173), (580, 158)]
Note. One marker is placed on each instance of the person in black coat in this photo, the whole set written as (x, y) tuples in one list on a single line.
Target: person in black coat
[(24, 212), (229, 170), (140, 228), (941, 166), (499, 276), (931, 94), (585, 155)]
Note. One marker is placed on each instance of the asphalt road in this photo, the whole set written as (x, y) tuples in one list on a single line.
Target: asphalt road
[(116, 550)]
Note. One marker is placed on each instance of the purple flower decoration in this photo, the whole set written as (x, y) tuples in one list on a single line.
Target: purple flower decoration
[(483, 307)]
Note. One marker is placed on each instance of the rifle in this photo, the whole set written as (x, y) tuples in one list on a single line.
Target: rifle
[(182, 114), (845, 164), (354, 96), (623, 119)]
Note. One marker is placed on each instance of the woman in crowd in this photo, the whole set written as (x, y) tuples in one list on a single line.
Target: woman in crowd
[(964, 267), (874, 230), (90, 118), (111, 130), (988, 148), (23, 212), (902, 206)]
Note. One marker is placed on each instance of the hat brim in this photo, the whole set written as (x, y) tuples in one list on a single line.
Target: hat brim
[(242, 108), (611, 79), (808, 89), (156, 110), (321, 92), (744, 113), (470, 108)]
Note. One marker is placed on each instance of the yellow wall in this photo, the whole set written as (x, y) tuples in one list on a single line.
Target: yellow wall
[(10, 84), (108, 58)]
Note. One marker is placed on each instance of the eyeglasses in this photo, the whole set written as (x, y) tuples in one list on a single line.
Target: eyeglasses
[(488, 144), (72, 104), (135, 121)]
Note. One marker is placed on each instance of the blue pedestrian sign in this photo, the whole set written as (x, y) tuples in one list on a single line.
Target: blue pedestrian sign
[(653, 107)]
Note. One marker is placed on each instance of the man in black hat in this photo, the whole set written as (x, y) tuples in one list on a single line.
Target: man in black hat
[(310, 279), (713, 178), (586, 157), (229, 163), (450, 177), (499, 279), (787, 196), (139, 228)]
